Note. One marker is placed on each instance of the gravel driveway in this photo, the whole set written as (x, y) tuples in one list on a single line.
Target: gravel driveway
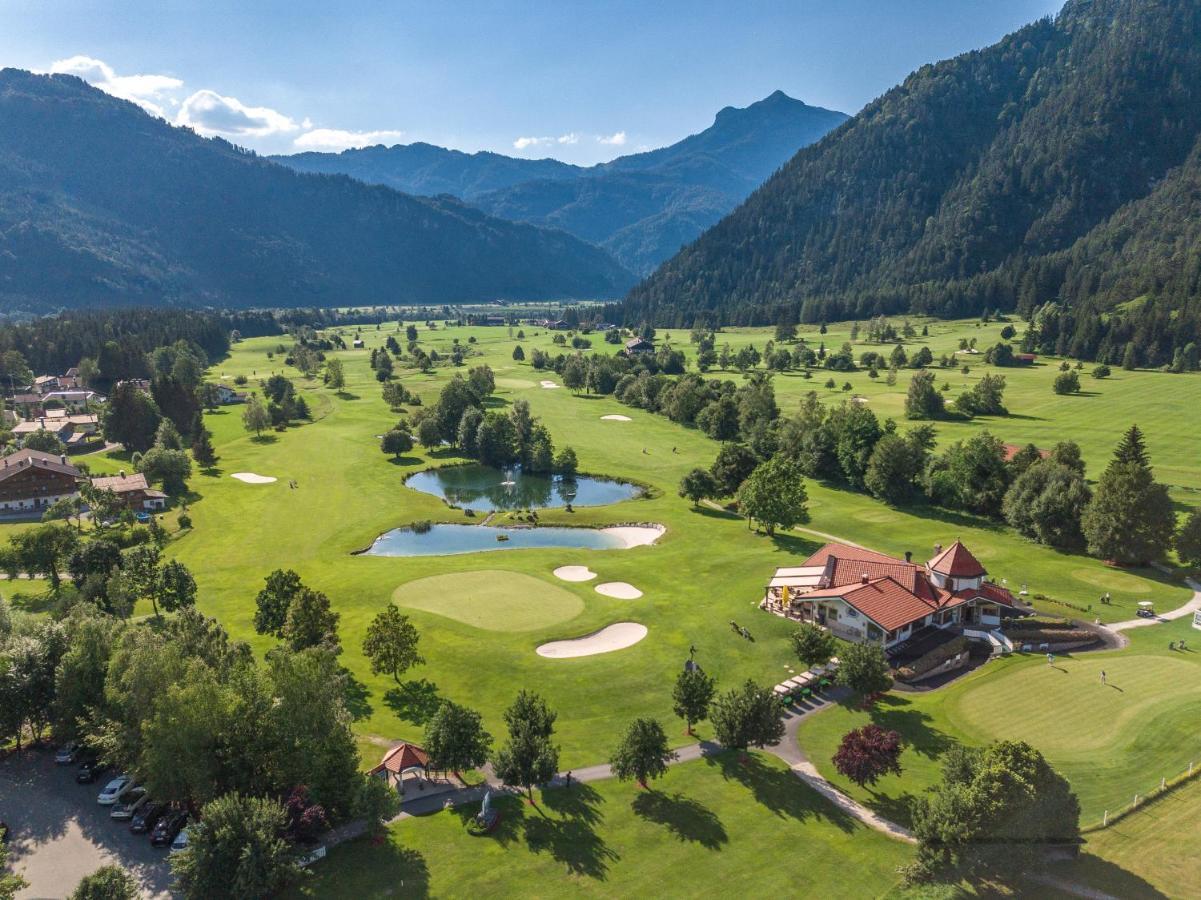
[(60, 834)]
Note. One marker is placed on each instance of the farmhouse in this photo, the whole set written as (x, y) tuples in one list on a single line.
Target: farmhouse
[(639, 345), (30, 479), (227, 395), (74, 400), (861, 595), (133, 490)]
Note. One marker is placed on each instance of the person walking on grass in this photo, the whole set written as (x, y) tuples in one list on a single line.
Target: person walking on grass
[(1103, 676), (1050, 659)]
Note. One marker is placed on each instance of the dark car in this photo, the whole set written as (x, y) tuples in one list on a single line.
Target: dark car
[(167, 827), (147, 817), (89, 770)]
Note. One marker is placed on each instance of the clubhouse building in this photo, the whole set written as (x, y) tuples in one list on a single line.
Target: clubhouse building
[(861, 595)]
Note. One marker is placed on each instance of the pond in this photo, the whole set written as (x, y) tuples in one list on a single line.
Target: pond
[(447, 540), (487, 489)]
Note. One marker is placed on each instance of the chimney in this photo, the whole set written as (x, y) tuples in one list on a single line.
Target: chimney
[(863, 578), (908, 556)]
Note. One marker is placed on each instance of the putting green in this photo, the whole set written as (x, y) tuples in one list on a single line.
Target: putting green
[(491, 599)]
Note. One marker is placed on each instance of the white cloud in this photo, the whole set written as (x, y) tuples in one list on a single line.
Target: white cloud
[(337, 139), (210, 113), (148, 91), (616, 140), (523, 143)]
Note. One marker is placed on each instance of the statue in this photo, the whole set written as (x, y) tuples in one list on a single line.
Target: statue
[(487, 816)]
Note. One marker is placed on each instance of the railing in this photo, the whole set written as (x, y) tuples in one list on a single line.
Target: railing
[(1166, 786)]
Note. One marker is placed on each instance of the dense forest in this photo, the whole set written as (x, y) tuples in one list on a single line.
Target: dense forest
[(102, 204), (1060, 165)]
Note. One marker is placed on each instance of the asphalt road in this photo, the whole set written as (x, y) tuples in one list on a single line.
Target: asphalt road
[(59, 833)]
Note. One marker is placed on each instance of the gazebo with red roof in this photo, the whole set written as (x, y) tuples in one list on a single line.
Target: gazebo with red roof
[(402, 758)]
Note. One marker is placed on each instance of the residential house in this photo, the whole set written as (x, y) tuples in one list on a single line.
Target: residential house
[(30, 479), (74, 400), (44, 384), (639, 345), (133, 490), (227, 395), (861, 595)]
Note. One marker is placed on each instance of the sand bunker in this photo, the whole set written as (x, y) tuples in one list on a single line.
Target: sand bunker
[(636, 535), (616, 419), (610, 638), (549, 384), (619, 590), (574, 573), (251, 478)]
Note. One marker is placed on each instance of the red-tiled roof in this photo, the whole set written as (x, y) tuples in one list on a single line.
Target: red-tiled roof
[(1012, 450), (993, 592), (402, 757), (886, 602), (957, 561), (847, 552)]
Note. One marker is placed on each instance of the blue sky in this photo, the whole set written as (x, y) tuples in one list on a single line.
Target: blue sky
[(583, 82)]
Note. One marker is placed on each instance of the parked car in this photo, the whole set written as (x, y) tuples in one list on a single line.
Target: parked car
[(67, 754), (130, 804), (168, 827), (147, 816), (181, 841), (89, 769), (114, 790)]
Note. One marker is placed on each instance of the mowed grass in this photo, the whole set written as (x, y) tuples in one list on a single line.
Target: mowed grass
[(706, 570), (491, 599), (705, 824), (1110, 740), (1156, 846)]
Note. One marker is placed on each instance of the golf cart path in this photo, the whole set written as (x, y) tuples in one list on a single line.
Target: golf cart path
[(1187, 610), (787, 750)]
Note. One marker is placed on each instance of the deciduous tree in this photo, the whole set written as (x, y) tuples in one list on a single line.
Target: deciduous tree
[(748, 716), (456, 740), (866, 753), (391, 643), (643, 752), (692, 695)]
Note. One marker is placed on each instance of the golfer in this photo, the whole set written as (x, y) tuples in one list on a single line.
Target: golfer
[(1050, 659), (1102, 676)]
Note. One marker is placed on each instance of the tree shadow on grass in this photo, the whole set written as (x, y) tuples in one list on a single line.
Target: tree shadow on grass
[(509, 827), (896, 714), (684, 817), (212, 471), (779, 790), (346, 395), (264, 439), (895, 809), (794, 544), (356, 695), (569, 836), (414, 701), (394, 869), (404, 460)]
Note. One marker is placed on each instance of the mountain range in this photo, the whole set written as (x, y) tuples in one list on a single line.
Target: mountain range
[(642, 207), (1060, 165), (103, 204)]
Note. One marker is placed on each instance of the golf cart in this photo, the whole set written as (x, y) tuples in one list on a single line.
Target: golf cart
[(1146, 610)]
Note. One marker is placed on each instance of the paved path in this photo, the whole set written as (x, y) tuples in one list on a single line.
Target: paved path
[(1187, 610), (787, 749)]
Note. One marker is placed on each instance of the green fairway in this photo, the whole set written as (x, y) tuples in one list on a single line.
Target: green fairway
[(491, 599), (1111, 740), (1155, 848), (706, 570), (705, 824)]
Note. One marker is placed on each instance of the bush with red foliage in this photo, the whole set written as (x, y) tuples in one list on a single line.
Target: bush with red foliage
[(867, 753), (306, 819)]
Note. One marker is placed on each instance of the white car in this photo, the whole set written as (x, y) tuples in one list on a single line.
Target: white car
[(129, 805), (67, 753), (114, 790), (181, 842)]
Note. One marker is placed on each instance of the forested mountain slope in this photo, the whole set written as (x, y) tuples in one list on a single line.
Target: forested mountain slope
[(642, 207), (102, 204), (1060, 164)]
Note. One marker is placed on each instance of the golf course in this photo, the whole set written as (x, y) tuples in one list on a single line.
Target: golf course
[(483, 617)]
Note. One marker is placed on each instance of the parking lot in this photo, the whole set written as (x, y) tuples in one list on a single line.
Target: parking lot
[(60, 834)]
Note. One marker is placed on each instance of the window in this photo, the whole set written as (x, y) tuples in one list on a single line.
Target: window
[(854, 613)]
